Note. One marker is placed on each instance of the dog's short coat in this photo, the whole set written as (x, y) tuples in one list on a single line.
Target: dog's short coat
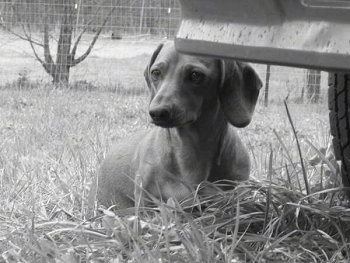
[(193, 100)]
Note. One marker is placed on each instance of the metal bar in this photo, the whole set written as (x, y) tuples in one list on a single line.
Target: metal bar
[(283, 32)]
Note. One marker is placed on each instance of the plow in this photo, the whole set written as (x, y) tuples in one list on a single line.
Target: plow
[(297, 33)]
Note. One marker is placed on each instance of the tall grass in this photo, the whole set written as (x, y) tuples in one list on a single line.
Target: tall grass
[(53, 140)]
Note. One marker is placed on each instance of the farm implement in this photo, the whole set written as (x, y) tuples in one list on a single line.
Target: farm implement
[(298, 33)]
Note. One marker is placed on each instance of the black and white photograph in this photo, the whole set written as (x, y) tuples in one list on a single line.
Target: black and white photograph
[(174, 131)]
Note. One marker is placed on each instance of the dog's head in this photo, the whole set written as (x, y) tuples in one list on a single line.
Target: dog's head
[(183, 87)]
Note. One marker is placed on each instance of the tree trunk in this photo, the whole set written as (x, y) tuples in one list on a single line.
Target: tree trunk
[(313, 85), (63, 57)]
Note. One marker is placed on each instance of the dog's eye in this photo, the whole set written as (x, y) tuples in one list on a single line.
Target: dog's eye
[(196, 76), (156, 74)]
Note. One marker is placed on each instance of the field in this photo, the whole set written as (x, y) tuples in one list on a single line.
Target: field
[(53, 141), (99, 69)]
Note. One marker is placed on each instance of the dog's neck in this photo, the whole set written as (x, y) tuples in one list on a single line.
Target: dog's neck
[(208, 128), (197, 146)]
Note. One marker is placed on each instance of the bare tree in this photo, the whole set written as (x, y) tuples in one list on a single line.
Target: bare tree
[(59, 68)]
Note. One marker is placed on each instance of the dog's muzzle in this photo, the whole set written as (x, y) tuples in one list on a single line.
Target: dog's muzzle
[(161, 116), (167, 117)]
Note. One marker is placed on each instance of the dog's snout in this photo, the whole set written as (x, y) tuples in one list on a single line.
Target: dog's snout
[(160, 115)]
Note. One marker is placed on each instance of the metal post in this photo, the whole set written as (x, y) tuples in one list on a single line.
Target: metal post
[(78, 15), (267, 85), (141, 15)]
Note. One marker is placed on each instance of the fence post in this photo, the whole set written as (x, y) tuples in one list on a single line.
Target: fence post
[(267, 85), (141, 15), (78, 16), (313, 85)]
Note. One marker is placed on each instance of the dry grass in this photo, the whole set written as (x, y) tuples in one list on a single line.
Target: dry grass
[(53, 140)]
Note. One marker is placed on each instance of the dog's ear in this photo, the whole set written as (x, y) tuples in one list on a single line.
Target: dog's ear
[(239, 91), (147, 72)]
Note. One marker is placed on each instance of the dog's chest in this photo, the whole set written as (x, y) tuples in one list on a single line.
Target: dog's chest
[(193, 165)]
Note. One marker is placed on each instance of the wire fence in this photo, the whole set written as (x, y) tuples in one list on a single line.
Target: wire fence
[(105, 45), (128, 17)]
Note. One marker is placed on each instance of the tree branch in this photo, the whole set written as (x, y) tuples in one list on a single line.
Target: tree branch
[(20, 36), (75, 47), (48, 64), (87, 52), (47, 53), (39, 59)]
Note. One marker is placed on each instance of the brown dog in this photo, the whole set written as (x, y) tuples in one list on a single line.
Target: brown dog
[(193, 100)]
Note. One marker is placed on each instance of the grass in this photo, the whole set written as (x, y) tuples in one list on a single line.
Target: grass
[(52, 141)]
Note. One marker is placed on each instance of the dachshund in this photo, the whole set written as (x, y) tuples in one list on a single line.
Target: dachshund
[(195, 102)]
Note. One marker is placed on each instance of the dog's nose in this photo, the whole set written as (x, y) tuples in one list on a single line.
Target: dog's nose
[(160, 115)]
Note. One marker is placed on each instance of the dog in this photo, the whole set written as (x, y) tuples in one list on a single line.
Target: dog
[(194, 101)]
